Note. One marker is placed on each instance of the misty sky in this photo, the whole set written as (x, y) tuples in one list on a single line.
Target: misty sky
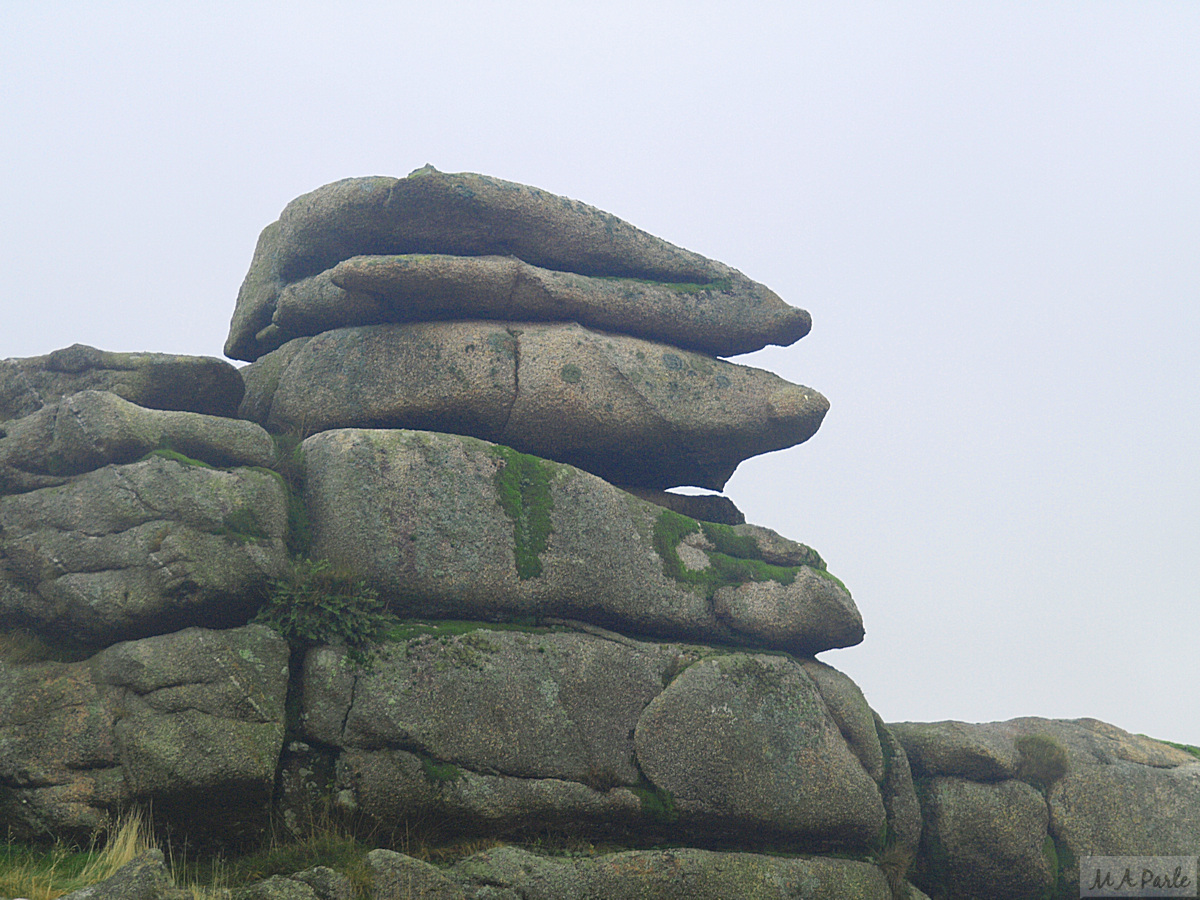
[(992, 211)]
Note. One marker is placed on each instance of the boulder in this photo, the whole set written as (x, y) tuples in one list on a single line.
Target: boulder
[(746, 743), (453, 527), (91, 429), (198, 384), (145, 877), (988, 841), (277, 887), (468, 215), (190, 723), (498, 732), (630, 411), (129, 551), (718, 318), (1100, 790), (512, 873), (60, 769)]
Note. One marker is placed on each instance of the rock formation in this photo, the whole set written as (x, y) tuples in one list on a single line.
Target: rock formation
[(415, 565)]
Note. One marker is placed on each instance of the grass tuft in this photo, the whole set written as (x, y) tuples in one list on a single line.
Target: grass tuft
[(45, 873)]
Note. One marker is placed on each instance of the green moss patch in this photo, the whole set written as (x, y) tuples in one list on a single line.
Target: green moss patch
[(656, 802), (440, 772), (1043, 760), (523, 491), (735, 560), (242, 527), (1186, 748), (289, 467), (407, 629)]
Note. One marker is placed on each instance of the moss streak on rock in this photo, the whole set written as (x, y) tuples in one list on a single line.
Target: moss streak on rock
[(523, 491)]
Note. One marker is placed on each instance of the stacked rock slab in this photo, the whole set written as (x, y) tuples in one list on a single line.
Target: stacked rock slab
[(134, 509), (490, 309)]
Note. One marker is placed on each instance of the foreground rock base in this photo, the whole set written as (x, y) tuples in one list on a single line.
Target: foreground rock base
[(509, 873), (497, 733), (189, 723)]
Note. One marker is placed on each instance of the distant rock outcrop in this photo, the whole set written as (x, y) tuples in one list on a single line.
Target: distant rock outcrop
[(156, 380), (1010, 808)]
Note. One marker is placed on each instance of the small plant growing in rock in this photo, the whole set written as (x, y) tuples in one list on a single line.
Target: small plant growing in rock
[(318, 604)]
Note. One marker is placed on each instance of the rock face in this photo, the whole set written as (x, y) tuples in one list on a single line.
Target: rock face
[(453, 527), (192, 721), (157, 380), (144, 878), (633, 412), (85, 431), (435, 246), (1010, 808), (510, 873), (140, 549), (509, 732), (482, 634)]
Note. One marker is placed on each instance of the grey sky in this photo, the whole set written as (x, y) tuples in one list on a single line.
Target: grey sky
[(992, 211)]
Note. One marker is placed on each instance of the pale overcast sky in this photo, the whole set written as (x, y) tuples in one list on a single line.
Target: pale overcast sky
[(992, 211)]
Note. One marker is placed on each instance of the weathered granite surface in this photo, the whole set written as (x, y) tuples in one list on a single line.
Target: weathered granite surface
[(630, 411), (190, 722), (199, 384), (712, 306), (140, 549), (506, 732), (1011, 807), (453, 527)]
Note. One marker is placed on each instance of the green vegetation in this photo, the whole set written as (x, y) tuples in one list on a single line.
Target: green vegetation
[(242, 526), (317, 604), (571, 373), (407, 629), (1042, 761), (523, 489), (440, 772), (289, 466), (43, 873), (656, 803), (735, 560), (1186, 748), (325, 843)]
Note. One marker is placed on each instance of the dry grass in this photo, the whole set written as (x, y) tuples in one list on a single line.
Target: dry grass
[(46, 873)]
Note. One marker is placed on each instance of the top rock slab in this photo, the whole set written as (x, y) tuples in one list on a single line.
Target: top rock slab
[(470, 215)]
